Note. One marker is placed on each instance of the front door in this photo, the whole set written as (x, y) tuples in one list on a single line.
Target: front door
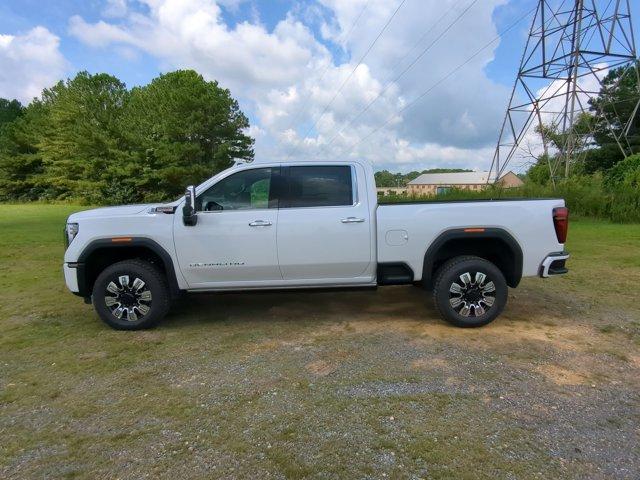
[(234, 241), (324, 229)]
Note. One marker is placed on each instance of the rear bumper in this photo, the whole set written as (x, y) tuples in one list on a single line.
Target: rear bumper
[(554, 264)]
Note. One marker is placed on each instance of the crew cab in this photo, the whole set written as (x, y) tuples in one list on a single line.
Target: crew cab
[(301, 225)]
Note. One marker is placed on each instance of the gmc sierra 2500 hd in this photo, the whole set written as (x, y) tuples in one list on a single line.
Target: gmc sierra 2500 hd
[(308, 225)]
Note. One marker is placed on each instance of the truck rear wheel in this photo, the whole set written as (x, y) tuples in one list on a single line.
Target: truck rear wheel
[(469, 291), (131, 295)]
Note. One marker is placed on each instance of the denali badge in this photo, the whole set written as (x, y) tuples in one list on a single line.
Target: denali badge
[(216, 264)]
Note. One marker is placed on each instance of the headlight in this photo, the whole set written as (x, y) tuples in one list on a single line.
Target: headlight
[(71, 230)]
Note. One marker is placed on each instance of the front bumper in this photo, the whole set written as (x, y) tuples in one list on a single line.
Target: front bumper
[(71, 276), (554, 264)]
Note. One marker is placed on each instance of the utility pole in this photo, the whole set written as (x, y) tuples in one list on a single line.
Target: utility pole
[(570, 48), (572, 86)]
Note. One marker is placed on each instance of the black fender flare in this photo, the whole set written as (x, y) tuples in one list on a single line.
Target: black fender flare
[(474, 233), (126, 242)]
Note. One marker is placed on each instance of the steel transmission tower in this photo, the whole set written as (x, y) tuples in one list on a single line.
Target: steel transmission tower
[(570, 48)]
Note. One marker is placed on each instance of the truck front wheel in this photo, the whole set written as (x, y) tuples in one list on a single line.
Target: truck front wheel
[(131, 295), (469, 291)]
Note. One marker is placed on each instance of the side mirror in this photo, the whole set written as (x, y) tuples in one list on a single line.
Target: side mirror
[(189, 216)]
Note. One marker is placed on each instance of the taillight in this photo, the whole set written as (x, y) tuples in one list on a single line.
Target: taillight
[(561, 223)]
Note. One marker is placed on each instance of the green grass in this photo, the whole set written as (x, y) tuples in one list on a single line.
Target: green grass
[(604, 263), (222, 388)]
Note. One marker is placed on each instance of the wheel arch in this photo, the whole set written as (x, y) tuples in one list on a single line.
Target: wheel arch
[(101, 253), (493, 244)]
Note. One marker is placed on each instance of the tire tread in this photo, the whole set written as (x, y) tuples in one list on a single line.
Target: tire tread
[(442, 272), (163, 301)]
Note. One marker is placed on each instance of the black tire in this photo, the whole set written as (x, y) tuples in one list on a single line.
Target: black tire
[(126, 305), (479, 301)]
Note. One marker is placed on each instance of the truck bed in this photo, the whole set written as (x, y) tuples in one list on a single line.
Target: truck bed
[(406, 229)]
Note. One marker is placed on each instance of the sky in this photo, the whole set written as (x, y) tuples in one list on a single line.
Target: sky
[(395, 82)]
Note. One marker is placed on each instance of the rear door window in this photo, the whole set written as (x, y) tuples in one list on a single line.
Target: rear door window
[(319, 186)]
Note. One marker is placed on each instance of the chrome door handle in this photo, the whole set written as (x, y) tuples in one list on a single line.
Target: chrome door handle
[(260, 223), (352, 220)]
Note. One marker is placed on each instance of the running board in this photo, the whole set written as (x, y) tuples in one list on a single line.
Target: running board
[(394, 274)]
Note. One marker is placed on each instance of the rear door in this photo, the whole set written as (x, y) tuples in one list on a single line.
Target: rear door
[(324, 229)]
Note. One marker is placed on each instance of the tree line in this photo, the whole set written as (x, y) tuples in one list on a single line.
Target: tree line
[(385, 178), (604, 182), (602, 139), (92, 139)]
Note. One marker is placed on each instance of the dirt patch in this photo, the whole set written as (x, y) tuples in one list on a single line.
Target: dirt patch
[(562, 376), (429, 363), (321, 368)]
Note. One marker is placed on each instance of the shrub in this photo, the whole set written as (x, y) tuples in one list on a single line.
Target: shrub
[(625, 173), (585, 195)]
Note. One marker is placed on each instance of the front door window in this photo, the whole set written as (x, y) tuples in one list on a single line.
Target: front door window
[(246, 190)]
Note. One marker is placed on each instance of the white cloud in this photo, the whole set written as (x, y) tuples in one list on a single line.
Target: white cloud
[(286, 76), (191, 34), (232, 5), (115, 8), (468, 98), (99, 34), (29, 63)]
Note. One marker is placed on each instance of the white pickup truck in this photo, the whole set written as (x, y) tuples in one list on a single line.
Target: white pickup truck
[(308, 225)]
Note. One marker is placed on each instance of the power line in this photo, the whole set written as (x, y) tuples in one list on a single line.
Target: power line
[(346, 37), (585, 41), (408, 67), (432, 87), (346, 80), (424, 35), (341, 39)]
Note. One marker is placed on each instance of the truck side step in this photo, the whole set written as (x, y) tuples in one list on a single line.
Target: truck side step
[(394, 274)]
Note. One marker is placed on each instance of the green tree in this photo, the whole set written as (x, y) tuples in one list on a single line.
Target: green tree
[(412, 175), (181, 130), (579, 140), (82, 149), (614, 105), (602, 158), (385, 178), (9, 110), (581, 131), (91, 139), (20, 157), (539, 173)]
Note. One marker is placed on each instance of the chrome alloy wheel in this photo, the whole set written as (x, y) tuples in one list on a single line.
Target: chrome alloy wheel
[(126, 298), (473, 296)]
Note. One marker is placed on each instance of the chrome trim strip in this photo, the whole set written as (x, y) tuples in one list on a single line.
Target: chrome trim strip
[(354, 189), (354, 186)]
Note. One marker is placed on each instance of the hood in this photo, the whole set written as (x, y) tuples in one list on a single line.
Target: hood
[(124, 210)]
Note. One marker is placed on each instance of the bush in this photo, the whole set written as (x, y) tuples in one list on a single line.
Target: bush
[(625, 173), (586, 195)]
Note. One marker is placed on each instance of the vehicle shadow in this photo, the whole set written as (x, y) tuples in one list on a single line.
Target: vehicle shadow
[(406, 303)]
